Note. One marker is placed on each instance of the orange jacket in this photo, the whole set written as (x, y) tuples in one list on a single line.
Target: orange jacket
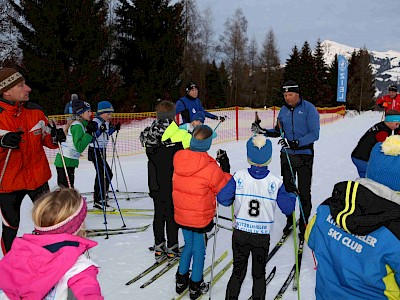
[(388, 103), (196, 181), (27, 167)]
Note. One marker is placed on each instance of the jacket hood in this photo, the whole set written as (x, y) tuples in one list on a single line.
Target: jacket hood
[(151, 135), (362, 206), (187, 162), (39, 262)]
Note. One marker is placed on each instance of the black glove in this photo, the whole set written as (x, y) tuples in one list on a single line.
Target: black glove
[(117, 127), (103, 127), (223, 160), (292, 188), (222, 119), (11, 140), (57, 134), (91, 127), (185, 116), (256, 128), (288, 144)]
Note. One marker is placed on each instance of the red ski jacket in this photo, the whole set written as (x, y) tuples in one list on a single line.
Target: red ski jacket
[(27, 167), (389, 103)]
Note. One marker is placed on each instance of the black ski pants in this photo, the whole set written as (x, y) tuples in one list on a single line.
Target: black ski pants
[(244, 243), (164, 219), (62, 178), (103, 178), (10, 205), (302, 166)]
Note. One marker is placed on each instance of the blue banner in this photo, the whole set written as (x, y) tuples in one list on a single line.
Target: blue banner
[(342, 79)]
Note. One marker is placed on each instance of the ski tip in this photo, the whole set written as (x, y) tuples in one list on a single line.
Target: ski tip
[(274, 269)]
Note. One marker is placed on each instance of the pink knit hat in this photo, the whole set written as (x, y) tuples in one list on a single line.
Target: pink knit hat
[(71, 225)]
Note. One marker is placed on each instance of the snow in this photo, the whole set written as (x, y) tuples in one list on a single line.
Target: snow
[(122, 257)]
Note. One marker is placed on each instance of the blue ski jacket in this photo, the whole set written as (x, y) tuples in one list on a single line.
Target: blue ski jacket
[(300, 123), (363, 261), (192, 106)]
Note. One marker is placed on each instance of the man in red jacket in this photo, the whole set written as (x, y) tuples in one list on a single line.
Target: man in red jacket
[(391, 100), (24, 169)]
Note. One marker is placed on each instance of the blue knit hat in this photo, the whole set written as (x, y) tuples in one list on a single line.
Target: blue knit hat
[(202, 145), (199, 116), (79, 107), (104, 107), (259, 150), (384, 163)]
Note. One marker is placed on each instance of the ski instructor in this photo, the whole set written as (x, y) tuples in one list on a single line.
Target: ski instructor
[(298, 122), (190, 104), (24, 169)]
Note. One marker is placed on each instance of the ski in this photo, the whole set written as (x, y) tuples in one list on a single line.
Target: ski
[(149, 269), (141, 228), (118, 192), (219, 275), (268, 279), (104, 233), (291, 274), (116, 212), (205, 273), (169, 266)]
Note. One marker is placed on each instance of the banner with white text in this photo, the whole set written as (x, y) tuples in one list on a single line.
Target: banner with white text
[(342, 79)]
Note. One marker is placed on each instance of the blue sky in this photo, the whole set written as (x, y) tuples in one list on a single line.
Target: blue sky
[(355, 23)]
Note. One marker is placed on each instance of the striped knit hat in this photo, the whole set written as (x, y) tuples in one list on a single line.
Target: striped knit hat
[(104, 107), (9, 78)]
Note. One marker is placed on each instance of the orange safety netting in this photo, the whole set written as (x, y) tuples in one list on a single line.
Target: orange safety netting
[(236, 126)]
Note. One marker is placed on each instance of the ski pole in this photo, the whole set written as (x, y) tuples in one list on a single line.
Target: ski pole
[(5, 165), (103, 204), (120, 167), (113, 159), (63, 160), (213, 253), (112, 187)]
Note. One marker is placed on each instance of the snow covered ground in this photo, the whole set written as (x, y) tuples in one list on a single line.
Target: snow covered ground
[(122, 257)]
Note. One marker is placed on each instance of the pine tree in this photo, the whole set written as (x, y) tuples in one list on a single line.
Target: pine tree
[(150, 48), (292, 70), (321, 77), (62, 43), (332, 80), (271, 70)]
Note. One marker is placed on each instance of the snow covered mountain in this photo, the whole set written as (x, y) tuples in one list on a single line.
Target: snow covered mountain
[(385, 65)]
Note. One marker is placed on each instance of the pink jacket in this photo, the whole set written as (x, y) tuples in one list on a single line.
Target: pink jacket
[(30, 271)]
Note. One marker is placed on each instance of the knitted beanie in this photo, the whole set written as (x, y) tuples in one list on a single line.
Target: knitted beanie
[(290, 86), (259, 150), (71, 225), (79, 107), (384, 163), (104, 107), (9, 78), (393, 88), (191, 85)]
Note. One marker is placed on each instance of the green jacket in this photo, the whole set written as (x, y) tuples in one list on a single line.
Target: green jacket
[(80, 141)]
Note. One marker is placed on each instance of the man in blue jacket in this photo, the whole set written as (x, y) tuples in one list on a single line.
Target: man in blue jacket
[(190, 104), (298, 126)]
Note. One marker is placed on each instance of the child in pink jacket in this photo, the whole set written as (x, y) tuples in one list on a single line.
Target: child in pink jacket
[(50, 264)]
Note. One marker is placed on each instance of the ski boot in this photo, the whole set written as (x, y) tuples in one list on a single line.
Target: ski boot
[(181, 282), (196, 289), (173, 252), (159, 252)]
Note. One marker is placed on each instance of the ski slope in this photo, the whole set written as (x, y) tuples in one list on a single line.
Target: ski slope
[(121, 257)]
